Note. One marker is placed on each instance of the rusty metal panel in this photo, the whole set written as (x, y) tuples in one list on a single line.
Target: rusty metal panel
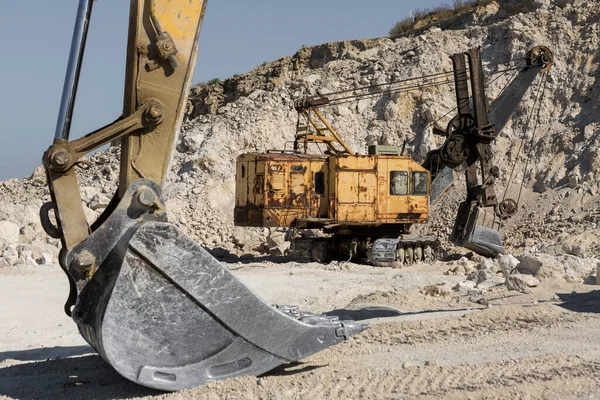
[(319, 200), (253, 182), (280, 189), (283, 188), (276, 217), (241, 188), (367, 188), (299, 178), (347, 187), (357, 163), (276, 183), (356, 188), (251, 177)]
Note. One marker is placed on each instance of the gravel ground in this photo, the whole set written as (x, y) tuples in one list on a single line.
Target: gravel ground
[(506, 345)]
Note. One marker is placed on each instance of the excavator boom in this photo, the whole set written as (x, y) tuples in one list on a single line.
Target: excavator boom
[(154, 304), (468, 143)]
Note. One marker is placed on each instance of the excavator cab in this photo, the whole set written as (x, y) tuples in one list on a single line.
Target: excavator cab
[(155, 305)]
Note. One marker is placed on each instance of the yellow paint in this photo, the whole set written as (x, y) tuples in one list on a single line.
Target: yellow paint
[(281, 190), (147, 154)]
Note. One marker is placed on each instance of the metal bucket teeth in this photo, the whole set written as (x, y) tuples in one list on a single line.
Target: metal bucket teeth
[(167, 315)]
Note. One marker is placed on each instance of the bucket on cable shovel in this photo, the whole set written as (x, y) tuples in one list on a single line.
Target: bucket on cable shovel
[(467, 233)]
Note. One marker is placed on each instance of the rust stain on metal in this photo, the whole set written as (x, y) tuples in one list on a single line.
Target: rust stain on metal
[(286, 188)]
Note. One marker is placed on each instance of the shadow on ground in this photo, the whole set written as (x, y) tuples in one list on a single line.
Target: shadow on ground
[(292, 368), (224, 255), (588, 302), (364, 313), (45, 353), (384, 312), (86, 377)]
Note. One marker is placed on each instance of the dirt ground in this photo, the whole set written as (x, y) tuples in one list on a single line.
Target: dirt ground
[(505, 345)]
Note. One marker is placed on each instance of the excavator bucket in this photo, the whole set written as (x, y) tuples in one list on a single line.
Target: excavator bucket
[(484, 241), (167, 315), (467, 233)]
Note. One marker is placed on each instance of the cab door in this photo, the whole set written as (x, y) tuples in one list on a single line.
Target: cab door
[(356, 188), (393, 188)]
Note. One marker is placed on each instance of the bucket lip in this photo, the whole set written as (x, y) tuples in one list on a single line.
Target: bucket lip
[(484, 241)]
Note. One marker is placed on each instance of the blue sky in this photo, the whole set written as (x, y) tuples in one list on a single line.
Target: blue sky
[(237, 35)]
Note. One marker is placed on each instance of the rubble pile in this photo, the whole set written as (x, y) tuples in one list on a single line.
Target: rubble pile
[(519, 273), (255, 112)]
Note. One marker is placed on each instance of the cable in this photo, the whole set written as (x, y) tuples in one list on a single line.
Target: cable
[(423, 77), (537, 96), (366, 87), (532, 138), (390, 91)]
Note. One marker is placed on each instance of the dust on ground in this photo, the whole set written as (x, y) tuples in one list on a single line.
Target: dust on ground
[(543, 344)]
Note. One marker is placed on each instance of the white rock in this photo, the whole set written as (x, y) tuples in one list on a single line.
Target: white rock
[(529, 264), (341, 110), (390, 111), (486, 263), (9, 232), (464, 286), (517, 282), (362, 105), (577, 269), (311, 79), (88, 193), (508, 262), (577, 250), (99, 202)]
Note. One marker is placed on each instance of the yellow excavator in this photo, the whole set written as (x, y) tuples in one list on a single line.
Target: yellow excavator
[(154, 304), (367, 203)]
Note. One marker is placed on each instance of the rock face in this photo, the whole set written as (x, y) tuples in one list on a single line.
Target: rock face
[(254, 112)]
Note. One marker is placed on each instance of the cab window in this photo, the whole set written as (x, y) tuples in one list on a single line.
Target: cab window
[(418, 184), (398, 183)]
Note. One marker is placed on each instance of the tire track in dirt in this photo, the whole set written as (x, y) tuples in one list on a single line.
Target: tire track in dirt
[(439, 381), (492, 321)]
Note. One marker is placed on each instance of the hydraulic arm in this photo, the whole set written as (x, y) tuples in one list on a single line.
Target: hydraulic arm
[(154, 304)]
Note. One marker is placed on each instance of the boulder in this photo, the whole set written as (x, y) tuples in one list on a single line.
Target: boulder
[(541, 265), (362, 105), (9, 232), (99, 202), (576, 249), (390, 111), (277, 244), (576, 269), (517, 282), (507, 263), (464, 286), (486, 263), (529, 264)]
